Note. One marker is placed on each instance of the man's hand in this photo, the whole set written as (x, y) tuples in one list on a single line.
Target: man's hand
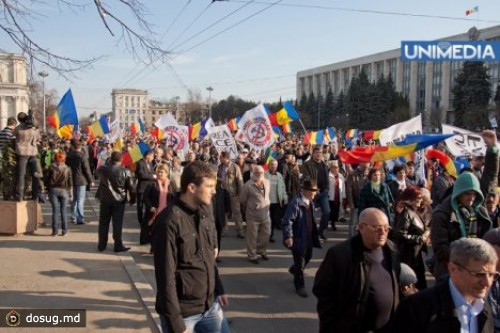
[(490, 138), (223, 300), (288, 242)]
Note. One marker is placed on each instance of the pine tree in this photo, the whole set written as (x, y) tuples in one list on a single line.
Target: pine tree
[(328, 108), (320, 119), (471, 94)]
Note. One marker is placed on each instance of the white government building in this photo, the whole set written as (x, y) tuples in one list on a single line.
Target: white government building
[(427, 85), (14, 92)]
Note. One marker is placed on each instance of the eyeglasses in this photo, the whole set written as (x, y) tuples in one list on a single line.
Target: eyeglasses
[(481, 275), (378, 228)]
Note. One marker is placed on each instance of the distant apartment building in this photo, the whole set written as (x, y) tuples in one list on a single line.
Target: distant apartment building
[(427, 85), (128, 105), (14, 92), (158, 108)]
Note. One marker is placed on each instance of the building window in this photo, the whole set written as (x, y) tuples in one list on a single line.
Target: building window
[(393, 63), (336, 82), (380, 69), (367, 68), (327, 82), (345, 73), (406, 78), (302, 81), (421, 86), (318, 85), (355, 71), (437, 74)]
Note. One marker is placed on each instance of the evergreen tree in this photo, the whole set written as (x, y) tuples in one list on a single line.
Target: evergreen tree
[(359, 99), (320, 119), (328, 109), (471, 94), (311, 111), (340, 111)]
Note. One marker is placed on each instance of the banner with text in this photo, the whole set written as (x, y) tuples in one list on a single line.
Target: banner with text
[(223, 140), (464, 143), (257, 128)]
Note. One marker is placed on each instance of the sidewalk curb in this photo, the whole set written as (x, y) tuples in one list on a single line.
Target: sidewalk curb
[(144, 289)]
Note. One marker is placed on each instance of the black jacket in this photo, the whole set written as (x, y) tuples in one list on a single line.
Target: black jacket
[(432, 311), (151, 198), (311, 170), (144, 175), (184, 241), (115, 185), (80, 168), (342, 288)]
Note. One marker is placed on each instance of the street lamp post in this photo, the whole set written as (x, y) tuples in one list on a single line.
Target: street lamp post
[(210, 89), (177, 98), (44, 74)]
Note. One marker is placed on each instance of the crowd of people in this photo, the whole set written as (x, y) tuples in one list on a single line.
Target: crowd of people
[(374, 281)]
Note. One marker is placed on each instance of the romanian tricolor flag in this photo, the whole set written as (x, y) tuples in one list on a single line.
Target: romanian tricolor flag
[(277, 132), (159, 134), (65, 120), (137, 127), (351, 134), (270, 155), (383, 153), (371, 135), (233, 124), (444, 160), (194, 131), (471, 11), (138, 151), (287, 128), (314, 138), (284, 116), (100, 127), (329, 134)]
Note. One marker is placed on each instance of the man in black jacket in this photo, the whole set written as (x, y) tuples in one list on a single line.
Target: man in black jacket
[(82, 177), (357, 284), (115, 189), (455, 304), (144, 175), (185, 248), (316, 169)]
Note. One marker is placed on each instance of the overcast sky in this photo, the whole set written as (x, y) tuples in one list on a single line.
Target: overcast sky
[(257, 59)]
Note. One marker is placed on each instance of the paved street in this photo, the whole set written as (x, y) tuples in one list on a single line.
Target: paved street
[(118, 290)]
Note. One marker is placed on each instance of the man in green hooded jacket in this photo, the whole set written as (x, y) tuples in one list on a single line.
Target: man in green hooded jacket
[(462, 214)]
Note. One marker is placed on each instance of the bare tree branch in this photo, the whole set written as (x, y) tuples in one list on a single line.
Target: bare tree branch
[(18, 16)]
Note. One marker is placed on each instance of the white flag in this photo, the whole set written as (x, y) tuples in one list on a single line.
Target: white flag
[(223, 139), (464, 143), (166, 120), (257, 128)]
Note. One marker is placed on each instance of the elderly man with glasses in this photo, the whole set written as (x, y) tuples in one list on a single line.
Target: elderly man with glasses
[(357, 284), (456, 304)]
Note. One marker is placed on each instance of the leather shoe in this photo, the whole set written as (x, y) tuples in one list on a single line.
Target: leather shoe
[(254, 261), (264, 256), (291, 270), (302, 292), (122, 249)]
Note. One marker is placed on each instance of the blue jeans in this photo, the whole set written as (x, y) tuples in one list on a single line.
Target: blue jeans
[(211, 321), (59, 200), (324, 204), (77, 204)]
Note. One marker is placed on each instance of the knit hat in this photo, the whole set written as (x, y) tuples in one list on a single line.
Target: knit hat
[(407, 275)]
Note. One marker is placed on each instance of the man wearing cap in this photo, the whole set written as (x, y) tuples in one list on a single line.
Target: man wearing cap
[(455, 304), (232, 182), (300, 233)]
